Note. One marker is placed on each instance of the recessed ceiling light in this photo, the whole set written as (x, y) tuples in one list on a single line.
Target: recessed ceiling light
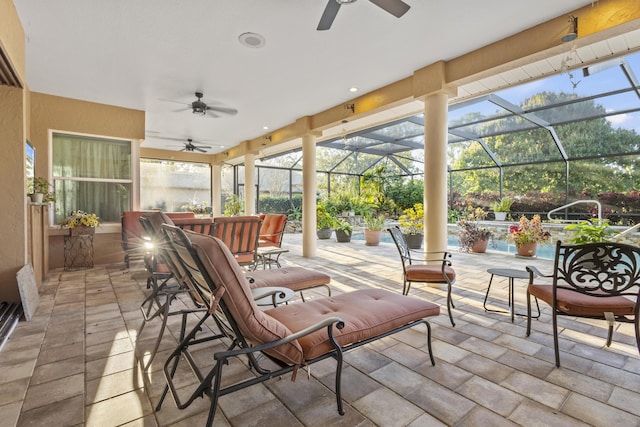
[(353, 89), (265, 127), (252, 40)]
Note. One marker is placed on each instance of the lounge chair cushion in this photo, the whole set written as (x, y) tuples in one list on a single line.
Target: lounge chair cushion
[(294, 278), (428, 273), (572, 302), (255, 326), (366, 313)]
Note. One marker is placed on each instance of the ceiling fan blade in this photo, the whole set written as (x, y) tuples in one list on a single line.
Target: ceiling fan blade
[(224, 110), (182, 109), (199, 149), (395, 7), (328, 15), (203, 146)]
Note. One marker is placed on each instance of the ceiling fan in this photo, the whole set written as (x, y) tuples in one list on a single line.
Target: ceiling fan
[(395, 7), (191, 147), (201, 108)]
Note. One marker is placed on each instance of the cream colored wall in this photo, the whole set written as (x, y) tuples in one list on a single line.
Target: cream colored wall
[(13, 104), (13, 215), (70, 115)]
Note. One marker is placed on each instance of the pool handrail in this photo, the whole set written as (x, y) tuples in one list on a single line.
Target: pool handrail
[(576, 203)]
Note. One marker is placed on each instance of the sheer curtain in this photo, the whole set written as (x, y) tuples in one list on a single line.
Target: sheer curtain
[(91, 174)]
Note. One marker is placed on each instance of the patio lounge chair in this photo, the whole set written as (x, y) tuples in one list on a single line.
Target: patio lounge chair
[(158, 303), (430, 267), (289, 336), (594, 280)]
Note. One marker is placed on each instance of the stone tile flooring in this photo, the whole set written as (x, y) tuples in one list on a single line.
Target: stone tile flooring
[(76, 362)]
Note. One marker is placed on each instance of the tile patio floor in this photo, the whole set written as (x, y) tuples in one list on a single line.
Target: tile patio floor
[(75, 363)]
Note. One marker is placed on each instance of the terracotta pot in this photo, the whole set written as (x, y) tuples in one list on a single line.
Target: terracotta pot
[(372, 237), (527, 249), (480, 246)]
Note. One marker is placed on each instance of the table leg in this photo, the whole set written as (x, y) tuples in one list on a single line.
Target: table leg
[(511, 298), (484, 304)]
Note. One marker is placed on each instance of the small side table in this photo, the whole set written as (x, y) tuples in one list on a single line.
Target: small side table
[(269, 256), (272, 295), (511, 274)]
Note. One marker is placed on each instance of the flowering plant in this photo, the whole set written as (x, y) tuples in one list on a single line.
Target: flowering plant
[(470, 230), (528, 230), (412, 222), (80, 219)]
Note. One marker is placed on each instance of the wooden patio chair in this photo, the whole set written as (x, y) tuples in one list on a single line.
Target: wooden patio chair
[(428, 267), (290, 336), (594, 280)]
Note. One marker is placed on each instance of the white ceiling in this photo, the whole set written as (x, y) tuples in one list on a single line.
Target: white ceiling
[(153, 55)]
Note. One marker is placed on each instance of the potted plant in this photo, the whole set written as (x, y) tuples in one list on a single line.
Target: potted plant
[(40, 191), (412, 225), (233, 206), (591, 231), (373, 225), (527, 234), (80, 222), (324, 222), (473, 237), (501, 208), (343, 231)]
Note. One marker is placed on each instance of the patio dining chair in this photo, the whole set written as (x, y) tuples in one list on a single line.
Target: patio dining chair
[(429, 267), (241, 235), (289, 336), (594, 280)]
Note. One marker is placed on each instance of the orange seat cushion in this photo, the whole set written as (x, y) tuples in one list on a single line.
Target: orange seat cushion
[(428, 273), (294, 278), (572, 302)]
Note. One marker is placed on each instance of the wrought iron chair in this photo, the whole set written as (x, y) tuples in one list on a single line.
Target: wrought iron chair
[(431, 267), (595, 280), (324, 327)]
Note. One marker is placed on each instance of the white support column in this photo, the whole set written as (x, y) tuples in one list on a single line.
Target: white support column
[(308, 196), (249, 184), (216, 190), (435, 171)]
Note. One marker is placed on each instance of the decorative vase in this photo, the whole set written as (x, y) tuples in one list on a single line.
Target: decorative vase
[(372, 237), (324, 233), (527, 249), (81, 231), (343, 236), (480, 246), (37, 197), (414, 241), (500, 216)]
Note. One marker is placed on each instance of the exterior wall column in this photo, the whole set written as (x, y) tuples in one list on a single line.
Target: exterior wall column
[(309, 196), (249, 184), (216, 190), (435, 171)]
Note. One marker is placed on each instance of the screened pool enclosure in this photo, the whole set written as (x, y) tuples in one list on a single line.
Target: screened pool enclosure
[(564, 137)]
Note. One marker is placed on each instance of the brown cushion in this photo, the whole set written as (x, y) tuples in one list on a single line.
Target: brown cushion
[(572, 302), (366, 313), (295, 278), (256, 327), (200, 225), (428, 273)]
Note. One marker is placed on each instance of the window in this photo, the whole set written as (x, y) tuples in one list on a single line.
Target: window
[(91, 174), (175, 186)]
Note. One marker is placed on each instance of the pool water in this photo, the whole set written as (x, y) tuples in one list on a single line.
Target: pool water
[(543, 251)]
